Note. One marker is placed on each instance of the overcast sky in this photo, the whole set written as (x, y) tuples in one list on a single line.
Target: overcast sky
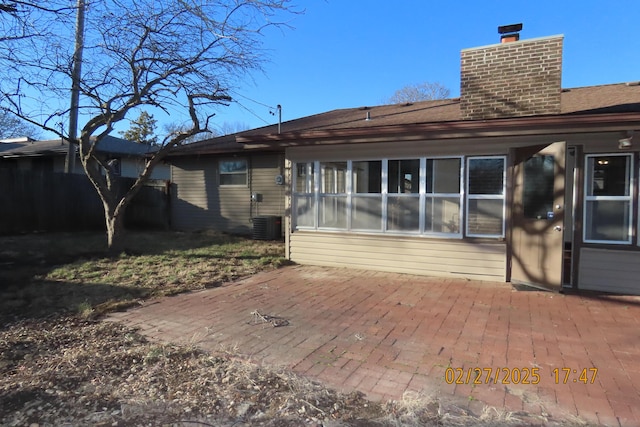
[(351, 53)]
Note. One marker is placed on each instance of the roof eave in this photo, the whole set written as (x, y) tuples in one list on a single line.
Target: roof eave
[(243, 149), (538, 125)]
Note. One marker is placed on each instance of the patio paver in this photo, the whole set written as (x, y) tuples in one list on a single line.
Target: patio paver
[(385, 334)]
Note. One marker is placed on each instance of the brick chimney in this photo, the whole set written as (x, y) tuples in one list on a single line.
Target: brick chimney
[(511, 79)]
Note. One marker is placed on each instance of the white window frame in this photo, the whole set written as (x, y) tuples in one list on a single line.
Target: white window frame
[(628, 198), (314, 182), (353, 194), (320, 173), (419, 195), (245, 172), (470, 196), (310, 190), (434, 196)]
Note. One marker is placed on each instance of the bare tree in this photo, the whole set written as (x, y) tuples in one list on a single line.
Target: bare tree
[(181, 57), (226, 128), (173, 128), (419, 92), (13, 127), (22, 20)]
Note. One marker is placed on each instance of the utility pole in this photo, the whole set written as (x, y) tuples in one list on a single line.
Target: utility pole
[(76, 75)]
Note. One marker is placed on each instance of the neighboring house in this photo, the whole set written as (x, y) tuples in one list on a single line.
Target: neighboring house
[(517, 180), (127, 157)]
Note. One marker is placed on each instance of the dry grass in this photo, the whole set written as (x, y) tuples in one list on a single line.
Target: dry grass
[(59, 366), (50, 273)]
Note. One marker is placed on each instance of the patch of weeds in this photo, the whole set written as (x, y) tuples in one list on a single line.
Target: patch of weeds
[(281, 262), (246, 253), (78, 272), (154, 355), (84, 310)]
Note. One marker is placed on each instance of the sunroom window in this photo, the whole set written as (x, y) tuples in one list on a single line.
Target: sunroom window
[(366, 198), (403, 200), (332, 208), (304, 195), (442, 200), (608, 199), (485, 200), (421, 196)]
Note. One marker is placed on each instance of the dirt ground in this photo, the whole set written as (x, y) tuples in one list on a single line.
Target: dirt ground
[(66, 371), (61, 366)]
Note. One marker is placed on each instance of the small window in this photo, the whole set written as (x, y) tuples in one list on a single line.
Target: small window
[(233, 172), (485, 202), (115, 165), (608, 201), (538, 189)]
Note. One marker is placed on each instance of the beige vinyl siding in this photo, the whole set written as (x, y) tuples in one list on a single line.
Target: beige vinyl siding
[(264, 170), (199, 202), (195, 198), (413, 255), (609, 271)]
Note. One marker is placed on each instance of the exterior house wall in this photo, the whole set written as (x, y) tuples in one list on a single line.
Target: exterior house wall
[(608, 270), (200, 202), (611, 268), (263, 170), (462, 257), (483, 259), (412, 255)]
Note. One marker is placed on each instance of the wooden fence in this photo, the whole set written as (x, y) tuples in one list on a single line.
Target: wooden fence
[(45, 201)]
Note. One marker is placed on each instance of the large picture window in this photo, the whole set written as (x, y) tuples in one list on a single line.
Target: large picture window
[(608, 199), (485, 199), (421, 196), (233, 172)]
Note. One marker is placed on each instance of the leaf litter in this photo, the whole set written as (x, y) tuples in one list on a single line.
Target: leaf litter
[(61, 366)]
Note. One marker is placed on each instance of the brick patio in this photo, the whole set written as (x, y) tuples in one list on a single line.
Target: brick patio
[(384, 334)]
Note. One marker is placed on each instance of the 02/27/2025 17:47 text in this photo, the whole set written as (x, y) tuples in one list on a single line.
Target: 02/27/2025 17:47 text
[(479, 375)]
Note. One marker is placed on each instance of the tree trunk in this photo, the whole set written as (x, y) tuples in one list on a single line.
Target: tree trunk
[(115, 232)]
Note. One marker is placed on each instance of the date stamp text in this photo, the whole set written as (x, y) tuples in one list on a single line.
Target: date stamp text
[(485, 375)]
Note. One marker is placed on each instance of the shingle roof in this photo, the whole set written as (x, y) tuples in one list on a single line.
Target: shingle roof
[(612, 98), (54, 147)]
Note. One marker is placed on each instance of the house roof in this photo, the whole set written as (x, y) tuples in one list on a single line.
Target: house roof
[(54, 147), (593, 105)]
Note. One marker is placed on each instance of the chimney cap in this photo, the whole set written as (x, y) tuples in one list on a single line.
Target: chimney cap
[(513, 28)]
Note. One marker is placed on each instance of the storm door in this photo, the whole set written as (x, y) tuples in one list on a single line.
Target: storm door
[(537, 215)]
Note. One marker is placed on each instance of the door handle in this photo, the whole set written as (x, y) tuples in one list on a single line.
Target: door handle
[(557, 228)]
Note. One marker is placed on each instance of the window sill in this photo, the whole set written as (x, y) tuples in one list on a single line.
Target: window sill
[(391, 235)]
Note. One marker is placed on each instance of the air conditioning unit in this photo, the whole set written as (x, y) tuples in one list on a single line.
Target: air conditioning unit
[(267, 227)]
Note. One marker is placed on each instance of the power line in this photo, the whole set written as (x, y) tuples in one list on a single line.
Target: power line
[(254, 101), (252, 112)]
